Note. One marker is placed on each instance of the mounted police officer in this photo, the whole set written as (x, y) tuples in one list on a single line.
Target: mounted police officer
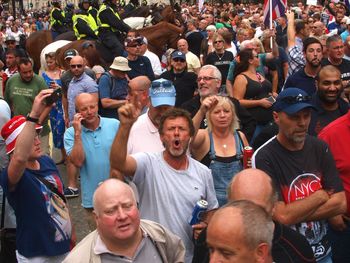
[(84, 24), (57, 18), (111, 27)]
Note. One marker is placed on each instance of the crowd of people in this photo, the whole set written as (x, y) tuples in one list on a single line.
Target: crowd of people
[(152, 138)]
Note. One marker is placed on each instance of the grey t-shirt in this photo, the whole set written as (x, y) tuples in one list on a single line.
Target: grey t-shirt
[(168, 196)]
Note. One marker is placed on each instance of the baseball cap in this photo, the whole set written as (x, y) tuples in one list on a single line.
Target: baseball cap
[(12, 129), (131, 41), (292, 100), (162, 92), (178, 54), (70, 53), (120, 63)]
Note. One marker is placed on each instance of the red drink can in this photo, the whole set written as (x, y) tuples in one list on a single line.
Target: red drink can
[(247, 157)]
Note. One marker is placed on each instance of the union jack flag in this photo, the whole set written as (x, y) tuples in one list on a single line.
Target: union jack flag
[(278, 9)]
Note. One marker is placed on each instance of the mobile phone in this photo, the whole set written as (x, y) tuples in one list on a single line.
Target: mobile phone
[(271, 99), (57, 94)]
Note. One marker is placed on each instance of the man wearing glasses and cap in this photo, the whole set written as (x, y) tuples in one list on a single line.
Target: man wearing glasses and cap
[(303, 169), (185, 82), (140, 65)]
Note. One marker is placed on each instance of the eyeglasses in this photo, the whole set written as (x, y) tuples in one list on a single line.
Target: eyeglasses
[(218, 41), (76, 66), (205, 78), (296, 99), (10, 42), (179, 60)]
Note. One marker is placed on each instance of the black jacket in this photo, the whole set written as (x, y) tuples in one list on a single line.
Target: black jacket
[(185, 84)]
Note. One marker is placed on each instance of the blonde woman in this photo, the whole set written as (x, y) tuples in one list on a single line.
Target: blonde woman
[(220, 146)]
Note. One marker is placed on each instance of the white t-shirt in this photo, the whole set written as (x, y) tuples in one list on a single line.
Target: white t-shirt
[(155, 62), (168, 196)]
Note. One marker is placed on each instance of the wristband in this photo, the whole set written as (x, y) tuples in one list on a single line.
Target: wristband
[(35, 120)]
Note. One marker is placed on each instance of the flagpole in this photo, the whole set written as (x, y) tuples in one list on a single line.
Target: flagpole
[(270, 7)]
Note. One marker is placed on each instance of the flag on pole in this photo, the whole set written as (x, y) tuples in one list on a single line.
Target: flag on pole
[(278, 9)]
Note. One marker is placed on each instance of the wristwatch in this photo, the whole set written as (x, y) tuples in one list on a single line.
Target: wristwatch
[(35, 120)]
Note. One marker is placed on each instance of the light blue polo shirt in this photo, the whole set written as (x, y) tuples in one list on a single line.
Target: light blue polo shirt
[(97, 146)]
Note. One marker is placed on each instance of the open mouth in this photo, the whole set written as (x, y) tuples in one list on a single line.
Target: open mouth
[(124, 227), (177, 142)]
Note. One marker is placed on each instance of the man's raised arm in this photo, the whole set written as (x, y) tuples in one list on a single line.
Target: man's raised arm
[(119, 158)]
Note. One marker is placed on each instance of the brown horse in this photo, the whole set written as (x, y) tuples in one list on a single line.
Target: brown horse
[(35, 43), (40, 39), (160, 37)]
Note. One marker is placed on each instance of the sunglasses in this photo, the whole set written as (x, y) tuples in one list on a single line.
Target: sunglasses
[(76, 66), (218, 41), (296, 99), (135, 45), (205, 78), (179, 60), (165, 84)]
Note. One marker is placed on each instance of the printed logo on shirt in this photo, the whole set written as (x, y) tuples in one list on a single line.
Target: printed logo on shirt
[(314, 231)]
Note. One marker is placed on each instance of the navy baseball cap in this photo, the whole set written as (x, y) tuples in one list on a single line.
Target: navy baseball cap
[(178, 54), (162, 92), (292, 100)]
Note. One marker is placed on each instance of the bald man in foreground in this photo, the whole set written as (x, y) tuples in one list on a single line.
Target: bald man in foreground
[(255, 185), (121, 236)]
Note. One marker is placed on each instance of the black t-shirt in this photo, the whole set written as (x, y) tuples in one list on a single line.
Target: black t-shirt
[(344, 67), (141, 67), (297, 174), (222, 62)]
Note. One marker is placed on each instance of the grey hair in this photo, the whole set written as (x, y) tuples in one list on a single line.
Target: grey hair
[(217, 73), (258, 226), (244, 44)]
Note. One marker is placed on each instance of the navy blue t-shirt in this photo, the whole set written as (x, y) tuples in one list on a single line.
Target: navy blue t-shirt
[(301, 81), (43, 223)]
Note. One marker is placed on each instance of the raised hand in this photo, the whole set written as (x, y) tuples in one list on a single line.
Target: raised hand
[(39, 104), (128, 114), (208, 103), (76, 123)]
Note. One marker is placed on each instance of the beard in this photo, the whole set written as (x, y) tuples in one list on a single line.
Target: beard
[(326, 99), (315, 63), (176, 153)]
